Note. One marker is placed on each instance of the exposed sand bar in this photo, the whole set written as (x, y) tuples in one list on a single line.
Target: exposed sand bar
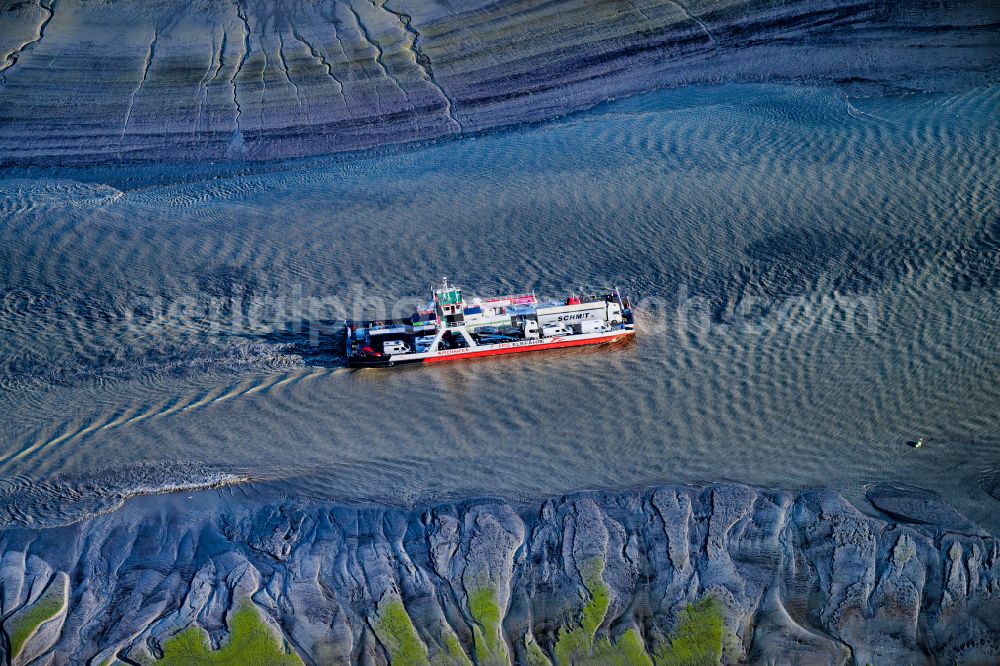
[(85, 82), (754, 575)]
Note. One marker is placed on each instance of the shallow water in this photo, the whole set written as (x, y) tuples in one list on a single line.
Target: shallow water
[(818, 283)]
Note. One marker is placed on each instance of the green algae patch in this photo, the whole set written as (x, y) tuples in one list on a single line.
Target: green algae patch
[(453, 654), (697, 639), (534, 654), (24, 624), (251, 643), (486, 632), (396, 632), (580, 645), (571, 645), (627, 650), (600, 596), (575, 644)]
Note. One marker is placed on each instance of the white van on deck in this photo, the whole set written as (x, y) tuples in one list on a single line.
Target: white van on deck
[(593, 327), (553, 330), (395, 347)]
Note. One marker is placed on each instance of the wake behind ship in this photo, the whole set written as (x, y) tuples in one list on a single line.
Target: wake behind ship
[(450, 328)]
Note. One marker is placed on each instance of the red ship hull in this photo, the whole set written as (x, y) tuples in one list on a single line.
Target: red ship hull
[(618, 335)]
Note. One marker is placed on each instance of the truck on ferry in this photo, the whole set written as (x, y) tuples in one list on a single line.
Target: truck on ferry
[(451, 328)]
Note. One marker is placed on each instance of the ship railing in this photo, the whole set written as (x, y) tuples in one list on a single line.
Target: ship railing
[(513, 298)]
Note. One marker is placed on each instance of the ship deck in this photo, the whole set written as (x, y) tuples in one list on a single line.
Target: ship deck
[(484, 326)]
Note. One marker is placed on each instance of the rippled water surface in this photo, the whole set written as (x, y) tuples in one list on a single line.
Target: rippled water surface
[(818, 280)]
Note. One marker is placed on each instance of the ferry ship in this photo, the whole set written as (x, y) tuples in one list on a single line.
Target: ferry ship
[(450, 328)]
